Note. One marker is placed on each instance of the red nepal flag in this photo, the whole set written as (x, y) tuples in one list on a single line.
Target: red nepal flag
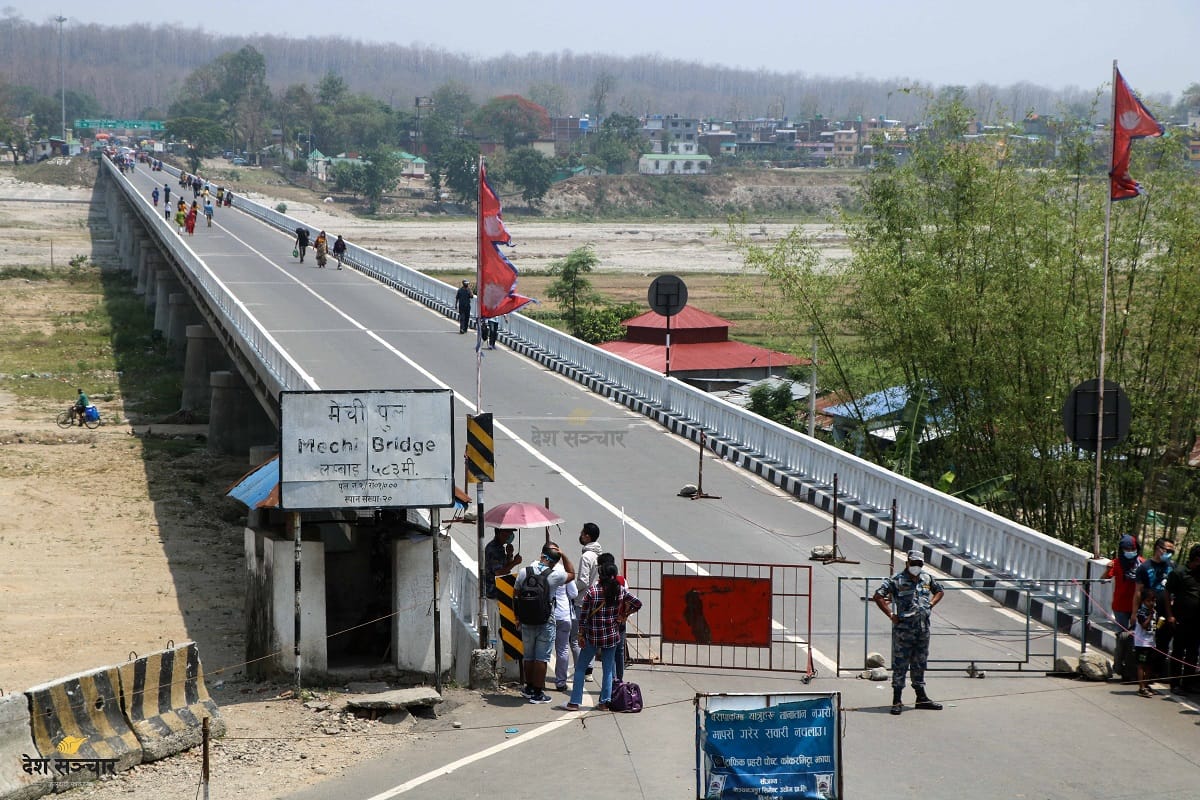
[(1131, 121), (497, 282)]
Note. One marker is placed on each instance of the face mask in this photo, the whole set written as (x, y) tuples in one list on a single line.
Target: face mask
[(511, 538), (1167, 556), (914, 571), (1129, 553)]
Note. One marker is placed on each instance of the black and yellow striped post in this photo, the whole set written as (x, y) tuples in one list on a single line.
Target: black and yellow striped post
[(481, 457), (510, 629), (480, 468)]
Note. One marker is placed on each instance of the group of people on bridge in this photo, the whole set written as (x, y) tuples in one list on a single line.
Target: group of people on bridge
[(1156, 606), (585, 614)]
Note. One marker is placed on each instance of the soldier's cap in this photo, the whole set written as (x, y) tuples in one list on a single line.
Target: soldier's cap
[(915, 555)]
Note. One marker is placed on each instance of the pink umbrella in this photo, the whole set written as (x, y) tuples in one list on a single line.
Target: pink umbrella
[(520, 515)]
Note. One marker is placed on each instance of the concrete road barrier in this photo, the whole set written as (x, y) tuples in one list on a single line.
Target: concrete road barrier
[(166, 701), (16, 749), (78, 726)]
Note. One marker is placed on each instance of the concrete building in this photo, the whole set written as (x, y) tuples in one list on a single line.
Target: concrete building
[(652, 164)]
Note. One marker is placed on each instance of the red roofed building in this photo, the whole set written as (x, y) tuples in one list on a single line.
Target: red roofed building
[(701, 351)]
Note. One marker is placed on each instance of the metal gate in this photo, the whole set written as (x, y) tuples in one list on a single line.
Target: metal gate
[(721, 614), (998, 646)]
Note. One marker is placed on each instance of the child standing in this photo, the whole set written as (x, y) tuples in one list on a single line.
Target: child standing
[(1143, 643)]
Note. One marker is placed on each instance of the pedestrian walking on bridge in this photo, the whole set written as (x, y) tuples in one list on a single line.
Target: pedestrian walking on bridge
[(908, 598)]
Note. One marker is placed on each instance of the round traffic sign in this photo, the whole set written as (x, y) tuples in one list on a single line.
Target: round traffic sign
[(667, 295)]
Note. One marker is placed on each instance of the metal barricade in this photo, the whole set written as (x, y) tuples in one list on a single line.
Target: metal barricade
[(721, 614), (1033, 608)]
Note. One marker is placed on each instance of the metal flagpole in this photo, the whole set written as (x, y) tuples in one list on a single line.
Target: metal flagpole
[(1103, 331), (478, 296)]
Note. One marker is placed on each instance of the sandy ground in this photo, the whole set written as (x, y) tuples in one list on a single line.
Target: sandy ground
[(111, 546), (448, 243)]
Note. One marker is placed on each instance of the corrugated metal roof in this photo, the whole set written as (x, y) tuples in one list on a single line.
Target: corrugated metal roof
[(258, 488), (689, 317), (700, 356), (873, 406)]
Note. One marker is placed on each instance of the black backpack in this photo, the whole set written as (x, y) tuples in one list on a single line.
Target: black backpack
[(532, 601)]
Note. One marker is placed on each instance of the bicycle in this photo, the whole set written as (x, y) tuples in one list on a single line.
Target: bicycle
[(91, 418)]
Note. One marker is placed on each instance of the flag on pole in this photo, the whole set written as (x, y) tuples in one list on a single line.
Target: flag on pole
[(1131, 121), (497, 283)]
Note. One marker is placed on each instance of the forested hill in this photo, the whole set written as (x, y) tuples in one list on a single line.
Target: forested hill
[(135, 71)]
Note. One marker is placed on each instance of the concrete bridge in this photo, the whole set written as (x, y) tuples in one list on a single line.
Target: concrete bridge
[(250, 322)]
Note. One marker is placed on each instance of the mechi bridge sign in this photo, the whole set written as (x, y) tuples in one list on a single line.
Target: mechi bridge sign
[(366, 449)]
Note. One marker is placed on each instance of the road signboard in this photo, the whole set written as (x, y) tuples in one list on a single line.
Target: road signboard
[(136, 124), (374, 448)]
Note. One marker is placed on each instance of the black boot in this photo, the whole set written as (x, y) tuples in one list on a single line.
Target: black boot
[(925, 703), (897, 706)]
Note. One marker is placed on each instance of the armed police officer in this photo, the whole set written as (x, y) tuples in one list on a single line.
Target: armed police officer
[(908, 598)]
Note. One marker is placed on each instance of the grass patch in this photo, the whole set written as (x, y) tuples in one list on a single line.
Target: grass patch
[(84, 329)]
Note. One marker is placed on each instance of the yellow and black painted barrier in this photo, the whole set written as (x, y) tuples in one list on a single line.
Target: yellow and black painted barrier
[(80, 729), (166, 701), (510, 629), (481, 452)]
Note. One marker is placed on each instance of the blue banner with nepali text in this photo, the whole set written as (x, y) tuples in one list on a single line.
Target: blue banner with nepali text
[(777, 746)]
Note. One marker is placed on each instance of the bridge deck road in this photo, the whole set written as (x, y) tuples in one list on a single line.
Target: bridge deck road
[(349, 332)]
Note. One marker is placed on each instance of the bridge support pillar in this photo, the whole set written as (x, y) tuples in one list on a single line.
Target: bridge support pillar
[(151, 260), (144, 245), (236, 422), (204, 356), (180, 313), (164, 286), (150, 295)]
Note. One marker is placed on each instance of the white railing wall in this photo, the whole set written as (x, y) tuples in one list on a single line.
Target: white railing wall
[(987, 539)]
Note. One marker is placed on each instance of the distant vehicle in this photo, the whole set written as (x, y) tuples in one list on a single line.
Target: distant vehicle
[(228, 154), (240, 162)]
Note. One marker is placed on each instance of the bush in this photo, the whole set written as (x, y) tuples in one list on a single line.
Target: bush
[(603, 324), (299, 165), (281, 208)]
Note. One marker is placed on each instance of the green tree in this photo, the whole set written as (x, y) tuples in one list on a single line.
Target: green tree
[(232, 89), (982, 281), (512, 119), (447, 123), (531, 171), (381, 170), (459, 164), (572, 289), (603, 324), (332, 89), (348, 177), (202, 135), (774, 401)]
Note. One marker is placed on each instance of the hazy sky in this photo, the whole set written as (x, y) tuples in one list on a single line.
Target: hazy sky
[(1053, 43)]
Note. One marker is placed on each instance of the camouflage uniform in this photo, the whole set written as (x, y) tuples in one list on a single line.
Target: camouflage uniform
[(911, 600)]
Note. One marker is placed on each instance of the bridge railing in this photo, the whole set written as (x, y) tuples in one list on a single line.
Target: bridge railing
[(278, 371), (988, 539)]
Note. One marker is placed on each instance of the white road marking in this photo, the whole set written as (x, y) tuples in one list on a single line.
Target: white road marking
[(408, 785)]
